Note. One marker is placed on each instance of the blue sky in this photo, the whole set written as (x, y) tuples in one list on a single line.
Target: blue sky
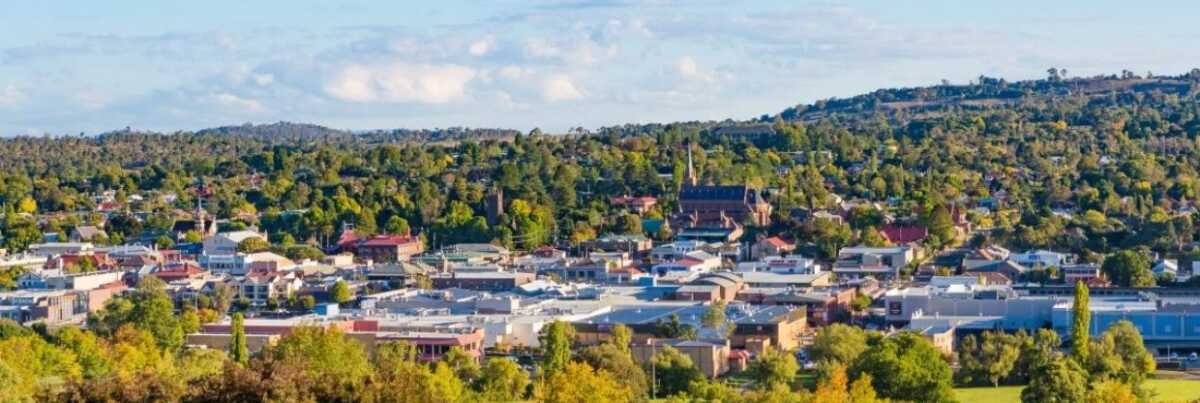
[(68, 67)]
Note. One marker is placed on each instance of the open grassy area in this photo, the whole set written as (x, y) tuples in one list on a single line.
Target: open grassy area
[(1167, 390)]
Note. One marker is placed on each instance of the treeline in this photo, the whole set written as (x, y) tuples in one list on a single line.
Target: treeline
[(1087, 173)]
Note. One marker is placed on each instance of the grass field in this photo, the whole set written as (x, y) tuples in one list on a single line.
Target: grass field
[(1167, 390)]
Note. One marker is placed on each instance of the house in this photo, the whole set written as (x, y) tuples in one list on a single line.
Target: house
[(47, 306), (87, 233), (1165, 267), (400, 274), (1042, 258), (709, 356), (824, 305), (484, 281), (790, 264), (226, 243), (904, 234), (712, 287), (51, 249), (879, 262), (243, 263), (772, 246), (781, 280), (260, 287), (1080, 272), (640, 204), (691, 262), (389, 248), (621, 243)]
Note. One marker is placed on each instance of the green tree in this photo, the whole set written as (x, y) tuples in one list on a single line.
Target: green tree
[(609, 357), (837, 344), (872, 237), (630, 224), (714, 315), (673, 371), (340, 292), (906, 366), (328, 355), (237, 340), (1120, 354), (397, 225), (556, 340), (1081, 318), (992, 359), (773, 368), (622, 337), (154, 312), (502, 380), (465, 366), (577, 382), (1059, 381), (252, 244), (1129, 268)]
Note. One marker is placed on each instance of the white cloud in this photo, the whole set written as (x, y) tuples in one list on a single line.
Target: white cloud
[(232, 101), (401, 83), (11, 96), (687, 68), (263, 80), (482, 46), (559, 87)]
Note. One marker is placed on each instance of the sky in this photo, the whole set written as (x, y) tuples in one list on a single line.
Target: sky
[(85, 66)]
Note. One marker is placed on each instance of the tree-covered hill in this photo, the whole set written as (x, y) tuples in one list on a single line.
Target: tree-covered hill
[(1089, 165)]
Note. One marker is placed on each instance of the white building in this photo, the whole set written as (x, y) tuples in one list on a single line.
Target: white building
[(226, 243)]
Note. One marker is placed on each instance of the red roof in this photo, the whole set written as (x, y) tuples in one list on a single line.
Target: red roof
[(628, 200), (347, 240), (389, 240), (902, 235), (778, 242)]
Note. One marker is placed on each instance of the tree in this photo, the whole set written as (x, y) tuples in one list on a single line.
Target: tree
[(630, 224), (252, 244), (622, 337), (307, 302), (1059, 381), (1111, 391), (673, 328), (714, 315), (237, 340), (872, 237), (397, 225), (465, 366), (153, 311), (502, 380), (773, 368), (992, 359), (340, 292), (556, 340), (1036, 351), (1120, 354), (1129, 268), (837, 344), (340, 363), (610, 358), (673, 371), (577, 382), (906, 366), (834, 388), (1081, 317)]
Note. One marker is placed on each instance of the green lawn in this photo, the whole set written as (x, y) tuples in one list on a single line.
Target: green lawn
[(1167, 390)]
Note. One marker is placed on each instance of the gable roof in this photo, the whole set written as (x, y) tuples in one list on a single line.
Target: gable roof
[(739, 194)]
